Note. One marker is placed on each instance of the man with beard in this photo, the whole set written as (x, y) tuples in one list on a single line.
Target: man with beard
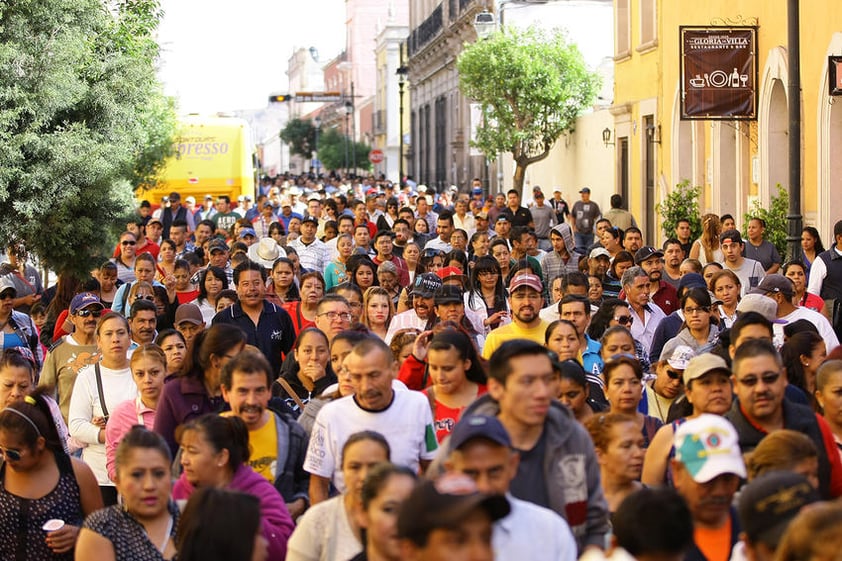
[(269, 327), (632, 239), (422, 315), (402, 417), (525, 304), (673, 256), (662, 293), (278, 444), (599, 261), (73, 352)]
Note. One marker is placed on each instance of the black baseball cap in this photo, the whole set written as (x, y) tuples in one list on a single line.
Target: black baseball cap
[(645, 253), (769, 503)]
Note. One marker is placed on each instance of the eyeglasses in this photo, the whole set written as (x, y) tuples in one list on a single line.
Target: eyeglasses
[(8, 295), (673, 374), (128, 242), (11, 454), (144, 298), (433, 253), (624, 320), (88, 313), (700, 309), (768, 379), (344, 316)]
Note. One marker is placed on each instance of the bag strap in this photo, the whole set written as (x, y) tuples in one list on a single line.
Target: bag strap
[(284, 384), (98, 373)]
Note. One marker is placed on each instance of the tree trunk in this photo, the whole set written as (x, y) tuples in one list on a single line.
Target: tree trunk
[(520, 174)]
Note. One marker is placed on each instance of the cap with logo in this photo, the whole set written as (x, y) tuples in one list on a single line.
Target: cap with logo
[(450, 272), (646, 252), (775, 284), (426, 285), (528, 279), (702, 364), (247, 232), (79, 301), (217, 245), (445, 503), (708, 447), (769, 503), (310, 220), (680, 356), (189, 313), (502, 218)]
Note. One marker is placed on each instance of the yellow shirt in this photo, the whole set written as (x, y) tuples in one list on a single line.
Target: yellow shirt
[(264, 449), (512, 331)]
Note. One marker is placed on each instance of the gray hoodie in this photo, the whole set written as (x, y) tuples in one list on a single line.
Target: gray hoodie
[(570, 468)]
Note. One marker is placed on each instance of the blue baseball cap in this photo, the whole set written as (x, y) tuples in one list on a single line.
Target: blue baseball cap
[(479, 426)]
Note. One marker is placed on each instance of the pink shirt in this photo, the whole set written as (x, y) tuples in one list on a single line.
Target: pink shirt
[(126, 415)]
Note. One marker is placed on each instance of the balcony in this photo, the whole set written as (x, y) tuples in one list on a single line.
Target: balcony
[(425, 32)]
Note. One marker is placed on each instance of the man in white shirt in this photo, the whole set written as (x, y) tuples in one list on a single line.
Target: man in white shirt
[(402, 417), (311, 251), (482, 449), (780, 289), (424, 289), (647, 315), (749, 271)]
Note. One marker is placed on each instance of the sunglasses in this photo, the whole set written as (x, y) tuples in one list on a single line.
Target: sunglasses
[(673, 374), (768, 378), (11, 455), (624, 320), (433, 253), (88, 313), (128, 242), (144, 297), (8, 295)]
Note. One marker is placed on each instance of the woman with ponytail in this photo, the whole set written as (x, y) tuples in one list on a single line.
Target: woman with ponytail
[(40, 483)]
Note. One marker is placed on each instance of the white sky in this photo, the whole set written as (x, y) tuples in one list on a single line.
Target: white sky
[(219, 55)]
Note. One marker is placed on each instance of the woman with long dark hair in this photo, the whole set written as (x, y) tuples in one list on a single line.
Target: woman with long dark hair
[(198, 391), (457, 377), (311, 372), (700, 328), (802, 355), (796, 271), (811, 246), (385, 488), (283, 287), (485, 303), (212, 281), (303, 311), (611, 313)]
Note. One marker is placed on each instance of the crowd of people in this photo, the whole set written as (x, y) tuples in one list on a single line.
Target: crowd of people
[(335, 372)]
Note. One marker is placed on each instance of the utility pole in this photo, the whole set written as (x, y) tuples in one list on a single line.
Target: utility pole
[(794, 108)]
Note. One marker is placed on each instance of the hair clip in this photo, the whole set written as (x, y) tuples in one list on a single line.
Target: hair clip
[(30, 400)]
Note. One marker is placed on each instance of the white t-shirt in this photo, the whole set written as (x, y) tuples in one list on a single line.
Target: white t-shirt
[(407, 425), (821, 323), (117, 386)]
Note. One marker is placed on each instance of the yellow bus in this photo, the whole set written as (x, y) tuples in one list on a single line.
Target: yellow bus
[(213, 156)]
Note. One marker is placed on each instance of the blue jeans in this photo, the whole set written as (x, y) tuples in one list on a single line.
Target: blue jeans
[(583, 242)]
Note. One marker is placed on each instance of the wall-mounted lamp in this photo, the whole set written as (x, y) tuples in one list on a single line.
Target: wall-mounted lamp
[(653, 133), (606, 137), (485, 24)]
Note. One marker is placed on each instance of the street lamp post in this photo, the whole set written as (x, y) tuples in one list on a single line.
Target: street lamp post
[(402, 73), (318, 123), (349, 108)]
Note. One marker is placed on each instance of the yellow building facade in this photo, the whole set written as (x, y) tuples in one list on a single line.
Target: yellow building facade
[(735, 162)]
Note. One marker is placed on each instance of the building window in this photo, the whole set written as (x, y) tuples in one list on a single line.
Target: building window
[(623, 26), (441, 142), (648, 25)]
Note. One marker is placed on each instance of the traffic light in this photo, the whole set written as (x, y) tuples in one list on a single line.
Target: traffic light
[(280, 98)]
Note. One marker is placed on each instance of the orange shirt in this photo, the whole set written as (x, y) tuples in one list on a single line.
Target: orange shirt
[(715, 544)]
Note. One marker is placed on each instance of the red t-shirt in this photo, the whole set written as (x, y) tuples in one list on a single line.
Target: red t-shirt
[(187, 296), (445, 418)]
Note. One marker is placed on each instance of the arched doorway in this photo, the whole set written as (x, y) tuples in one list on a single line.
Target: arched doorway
[(777, 159)]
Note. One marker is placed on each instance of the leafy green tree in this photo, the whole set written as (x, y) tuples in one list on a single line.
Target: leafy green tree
[(531, 86), (682, 203), (775, 218), (300, 134), (332, 151), (83, 122)]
